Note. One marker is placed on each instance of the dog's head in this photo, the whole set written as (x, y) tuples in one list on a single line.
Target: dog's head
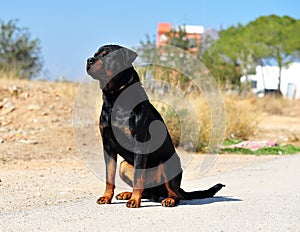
[(108, 62)]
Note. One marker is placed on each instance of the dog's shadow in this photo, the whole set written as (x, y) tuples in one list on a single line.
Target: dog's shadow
[(208, 201), (149, 203)]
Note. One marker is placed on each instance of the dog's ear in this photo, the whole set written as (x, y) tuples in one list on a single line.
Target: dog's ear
[(128, 56), (119, 60)]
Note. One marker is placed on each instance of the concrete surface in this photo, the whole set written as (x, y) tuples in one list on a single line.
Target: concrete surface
[(262, 197)]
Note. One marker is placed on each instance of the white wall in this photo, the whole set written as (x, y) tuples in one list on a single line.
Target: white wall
[(267, 78)]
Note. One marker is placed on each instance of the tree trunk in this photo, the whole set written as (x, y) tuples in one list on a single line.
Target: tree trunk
[(279, 60), (279, 79)]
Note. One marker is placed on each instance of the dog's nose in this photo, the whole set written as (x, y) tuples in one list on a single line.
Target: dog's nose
[(90, 61)]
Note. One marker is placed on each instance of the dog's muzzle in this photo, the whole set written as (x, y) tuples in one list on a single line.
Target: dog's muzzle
[(90, 62)]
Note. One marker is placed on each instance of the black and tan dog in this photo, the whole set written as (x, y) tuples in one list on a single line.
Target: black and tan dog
[(151, 166)]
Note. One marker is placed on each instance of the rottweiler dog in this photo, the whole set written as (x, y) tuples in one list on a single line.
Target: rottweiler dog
[(131, 127)]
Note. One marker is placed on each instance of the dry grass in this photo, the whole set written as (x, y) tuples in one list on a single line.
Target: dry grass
[(171, 119), (272, 105), (9, 74), (278, 106), (16, 86), (242, 118)]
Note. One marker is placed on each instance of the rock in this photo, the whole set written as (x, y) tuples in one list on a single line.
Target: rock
[(7, 102), (34, 107), (15, 90), (25, 95), (7, 110), (28, 141), (6, 106)]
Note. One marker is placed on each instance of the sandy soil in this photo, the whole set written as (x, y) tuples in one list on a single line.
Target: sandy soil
[(39, 160)]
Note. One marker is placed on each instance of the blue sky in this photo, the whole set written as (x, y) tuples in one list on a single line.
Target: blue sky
[(71, 31)]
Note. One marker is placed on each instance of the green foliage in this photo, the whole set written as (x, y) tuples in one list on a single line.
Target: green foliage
[(241, 48), (275, 38), (221, 59), (178, 38), (277, 150), (229, 142), (18, 52)]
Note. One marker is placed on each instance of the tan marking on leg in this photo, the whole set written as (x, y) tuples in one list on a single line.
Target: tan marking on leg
[(124, 196)]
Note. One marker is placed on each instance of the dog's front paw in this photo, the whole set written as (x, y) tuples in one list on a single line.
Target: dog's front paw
[(124, 196), (104, 200), (168, 202), (132, 203)]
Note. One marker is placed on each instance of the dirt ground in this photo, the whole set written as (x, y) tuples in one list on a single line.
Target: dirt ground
[(39, 160)]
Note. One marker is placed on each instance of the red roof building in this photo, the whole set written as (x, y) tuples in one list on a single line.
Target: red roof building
[(193, 33)]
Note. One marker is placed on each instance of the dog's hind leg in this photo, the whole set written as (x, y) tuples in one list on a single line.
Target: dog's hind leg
[(172, 173), (174, 195), (126, 174)]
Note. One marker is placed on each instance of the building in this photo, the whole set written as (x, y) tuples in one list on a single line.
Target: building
[(193, 33), (266, 79)]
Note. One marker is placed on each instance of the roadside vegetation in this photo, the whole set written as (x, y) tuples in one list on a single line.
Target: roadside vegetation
[(20, 55), (277, 150)]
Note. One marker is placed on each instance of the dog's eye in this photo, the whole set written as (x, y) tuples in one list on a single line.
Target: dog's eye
[(104, 53)]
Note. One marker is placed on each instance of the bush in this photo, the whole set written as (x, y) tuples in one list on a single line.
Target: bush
[(19, 54), (242, 118)]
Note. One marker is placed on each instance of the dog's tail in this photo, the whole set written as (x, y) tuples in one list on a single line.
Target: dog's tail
[(201, 194)]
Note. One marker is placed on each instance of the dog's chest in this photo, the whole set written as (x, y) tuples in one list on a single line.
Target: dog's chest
[(121, 120), (118, 119)]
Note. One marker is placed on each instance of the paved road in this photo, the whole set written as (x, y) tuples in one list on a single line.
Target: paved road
[(263, 197)]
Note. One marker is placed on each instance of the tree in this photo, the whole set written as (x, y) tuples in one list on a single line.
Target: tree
[(268, 39), (207, 39), (178, 38), (225, 56), (276, 39), (18, 52)]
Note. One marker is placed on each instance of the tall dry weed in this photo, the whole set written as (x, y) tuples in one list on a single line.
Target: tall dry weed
[(242, 118), (278, 106), (9, 74), (272, 105)]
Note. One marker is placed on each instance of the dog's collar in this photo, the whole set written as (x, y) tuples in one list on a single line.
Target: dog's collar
[(119, 89)]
